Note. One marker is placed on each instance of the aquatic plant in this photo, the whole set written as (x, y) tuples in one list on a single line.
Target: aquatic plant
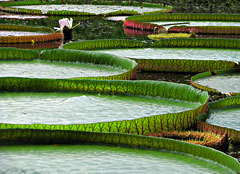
[(208, 74), (25, 28), (50, 36), (165, 65), (208, 139), (18, 54), (206, 29), (144, 26), (5, 7), (140, 126), (19, 10), (105, 43), (75, 56), (186, 17), (36, 136), (135, 32), (198, 43), (181, 65), (226, 103), (68, 13), (234, 135), (169, 35), (65, 22), (95, 58)]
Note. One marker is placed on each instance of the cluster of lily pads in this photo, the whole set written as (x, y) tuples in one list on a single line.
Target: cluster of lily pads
[(193, 110)]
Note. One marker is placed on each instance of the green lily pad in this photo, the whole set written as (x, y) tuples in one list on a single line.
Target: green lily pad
[(226, 83), (228, 117), (177, 53), (70, 108), (56, 70), (198, 23), (19, 33), (93, 9), (103, 159)]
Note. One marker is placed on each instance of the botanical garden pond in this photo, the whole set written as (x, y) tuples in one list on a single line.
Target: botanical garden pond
[(177, 53), (107, 159), (67, 108), (57, 110), (56, 70)]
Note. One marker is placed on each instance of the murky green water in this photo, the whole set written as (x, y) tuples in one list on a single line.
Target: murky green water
[(229, 118), (162, 76), (177, 53), (67, 108), (223, 83), (199, 23), (96, 9), (56, 70), (90, 28), (100, 159)]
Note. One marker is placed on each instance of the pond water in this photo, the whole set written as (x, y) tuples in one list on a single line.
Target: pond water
[(229, 118), (67, 108), (37, 45), (19, 33), (89, 29), (177, 53), (164, 76), (223, 83), (55, 70), (100, 159), (96, 9)]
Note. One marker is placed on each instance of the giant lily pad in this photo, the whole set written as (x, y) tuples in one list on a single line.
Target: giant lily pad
[(19, 33), (56, 70), (92, 9), (228, 117), (166, 59), (23, 17), (197, 23), (169, 121), (59, 64), (27, 34), (169, 35), (224, 83), (224, 117), (57, 108), (177, 53), (104, 159)]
